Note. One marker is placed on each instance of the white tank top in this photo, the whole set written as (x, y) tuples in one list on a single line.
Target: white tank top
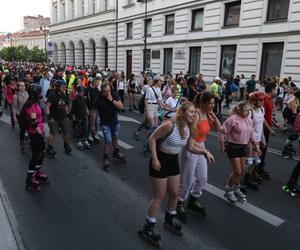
[(174, 143)]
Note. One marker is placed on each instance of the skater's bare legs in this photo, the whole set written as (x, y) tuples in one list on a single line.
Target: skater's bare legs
[(173, 189), (237, 168), (159, 187)]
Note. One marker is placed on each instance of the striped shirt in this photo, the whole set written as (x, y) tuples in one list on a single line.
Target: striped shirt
[(174, 143)]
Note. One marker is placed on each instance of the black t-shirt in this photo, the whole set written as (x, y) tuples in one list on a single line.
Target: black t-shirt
[(91, 94), (58, 105), (107, 110), (79, 108)]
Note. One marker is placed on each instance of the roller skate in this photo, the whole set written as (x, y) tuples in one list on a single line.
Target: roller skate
[(96, 138), (106, 163), (250, 182), (288, 152), (194, 205), (241, 197), (149, 233), (291, 189), (32, 184), (181, 212), (118, 156), (230, 195), (265, 175), (22, 146), (80, 145), (87, 145), (136, 135), (50, 152), (172, 224), (67, 148), (41, 176)]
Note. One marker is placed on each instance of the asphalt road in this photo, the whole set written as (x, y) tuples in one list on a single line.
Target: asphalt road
[(84, 207)]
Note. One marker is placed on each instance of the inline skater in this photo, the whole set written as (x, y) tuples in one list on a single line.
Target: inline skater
[(37, 137), (290, 186), (164, 170), (257, 113), (9, 91), (193, 163), (107, 104), (57, 111), (80, 113), (238, 130)]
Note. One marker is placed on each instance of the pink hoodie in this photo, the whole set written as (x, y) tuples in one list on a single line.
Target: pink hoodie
[(238, 130)]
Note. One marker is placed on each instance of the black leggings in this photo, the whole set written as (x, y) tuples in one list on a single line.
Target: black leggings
[(22, 131), (38, 148), (295, 174)]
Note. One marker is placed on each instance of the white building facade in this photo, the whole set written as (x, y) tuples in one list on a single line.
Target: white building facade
[(211, 37)]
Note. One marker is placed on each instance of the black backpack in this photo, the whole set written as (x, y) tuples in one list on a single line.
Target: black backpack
[(141, 104)]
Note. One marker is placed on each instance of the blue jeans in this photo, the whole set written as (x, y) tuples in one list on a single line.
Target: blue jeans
[(110, 132)]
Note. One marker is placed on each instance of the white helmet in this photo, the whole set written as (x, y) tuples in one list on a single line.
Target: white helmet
[(217, 79)]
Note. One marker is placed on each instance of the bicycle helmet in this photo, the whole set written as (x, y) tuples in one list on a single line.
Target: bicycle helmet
[(256, 96), (34, 90)]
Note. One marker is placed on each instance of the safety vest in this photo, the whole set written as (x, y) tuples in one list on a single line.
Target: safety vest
[(214, 89), (71, 82)]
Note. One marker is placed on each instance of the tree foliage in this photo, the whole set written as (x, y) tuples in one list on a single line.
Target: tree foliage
[(22, 53)]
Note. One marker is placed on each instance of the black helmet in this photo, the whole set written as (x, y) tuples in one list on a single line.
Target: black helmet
[(59, 83), (34, 90)]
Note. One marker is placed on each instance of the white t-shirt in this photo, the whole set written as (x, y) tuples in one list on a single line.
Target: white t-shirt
[(150, 96), (257, 117), (243, 83), (172, 102), (144, 89), (121, 85)]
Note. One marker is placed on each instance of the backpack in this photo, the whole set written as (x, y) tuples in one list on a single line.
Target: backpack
[(23, 119), (146, 147), (233, 87)]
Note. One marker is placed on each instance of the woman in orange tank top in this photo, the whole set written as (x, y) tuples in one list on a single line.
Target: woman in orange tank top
[(193, 158)]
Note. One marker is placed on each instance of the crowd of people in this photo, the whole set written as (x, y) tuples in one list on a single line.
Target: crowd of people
[(180, 111)]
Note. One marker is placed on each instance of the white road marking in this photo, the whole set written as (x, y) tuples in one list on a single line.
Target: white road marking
[(123, 118), (121, 143), (251, 209)]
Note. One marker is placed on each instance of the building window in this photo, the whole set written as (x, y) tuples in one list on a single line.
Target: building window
[(63, 6), (129, 30), (148, 58), (72, 8), (232, 13), (197, 19), (148, 27), (94, 6), (278, 10), (82, 7), (271, 60), (195, 58), (55, 16), (228, 54), (169, 29), (168, 60), (105, 4)]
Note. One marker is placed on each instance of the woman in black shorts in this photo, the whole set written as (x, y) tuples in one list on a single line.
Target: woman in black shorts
[(165, 143), (132, 86)]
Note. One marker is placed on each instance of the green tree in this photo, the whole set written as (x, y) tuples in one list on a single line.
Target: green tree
[(23, 53)]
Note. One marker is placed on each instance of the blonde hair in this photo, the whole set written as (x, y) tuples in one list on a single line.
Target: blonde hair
[(241, 106), (179, 118)]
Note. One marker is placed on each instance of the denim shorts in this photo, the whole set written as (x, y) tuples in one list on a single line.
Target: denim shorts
[(110, 132)]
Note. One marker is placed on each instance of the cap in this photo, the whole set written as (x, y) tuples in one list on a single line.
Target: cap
[(217, 79), (98, 75)]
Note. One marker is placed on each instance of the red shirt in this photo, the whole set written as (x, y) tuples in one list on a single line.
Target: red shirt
[(268, 106)]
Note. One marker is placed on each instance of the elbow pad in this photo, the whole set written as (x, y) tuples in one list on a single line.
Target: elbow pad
[(33, 123)]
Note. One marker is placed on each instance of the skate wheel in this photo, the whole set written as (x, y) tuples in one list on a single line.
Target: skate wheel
[(157, 244), (172, 230)]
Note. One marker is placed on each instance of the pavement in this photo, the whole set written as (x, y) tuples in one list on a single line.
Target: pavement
[(84, 207)]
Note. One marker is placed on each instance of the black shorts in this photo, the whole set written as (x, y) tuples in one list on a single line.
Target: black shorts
[(169, 166), (54, 125), (236, 150)]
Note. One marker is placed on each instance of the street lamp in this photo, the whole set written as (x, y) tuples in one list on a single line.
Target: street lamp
[(43, 29), (145, 32)]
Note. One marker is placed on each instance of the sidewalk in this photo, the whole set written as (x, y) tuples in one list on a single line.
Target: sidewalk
[(9, 237)]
